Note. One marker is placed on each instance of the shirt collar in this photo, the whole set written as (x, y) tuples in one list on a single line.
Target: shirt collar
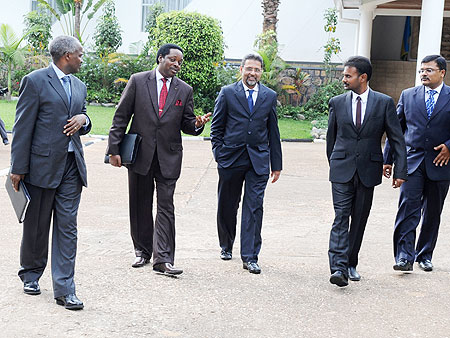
[(255, 89), (59, 73), (438, 88), (364, 96), (159, 76)]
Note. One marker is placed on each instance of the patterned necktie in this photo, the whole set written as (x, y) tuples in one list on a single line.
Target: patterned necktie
[(250, 100), (430, 102), (358, 112), (162, 96), (66, 85)]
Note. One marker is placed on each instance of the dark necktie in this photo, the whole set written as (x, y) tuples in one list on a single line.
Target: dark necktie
[(430, 102), (66, 85), (162, 96), (358, 112), (250, 99)]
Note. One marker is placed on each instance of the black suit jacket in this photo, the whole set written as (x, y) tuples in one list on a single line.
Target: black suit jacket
[(39, 147), (350, 150), (234, 129), (423, 134)]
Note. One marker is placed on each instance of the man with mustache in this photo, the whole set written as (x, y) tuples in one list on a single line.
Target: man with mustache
[(160, 106), (245, 139), (357, 122), (424, 115)]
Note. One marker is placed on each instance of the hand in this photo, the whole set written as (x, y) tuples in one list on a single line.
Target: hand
[(15, 179), (387, 170), (115, 161), (75, 123), (443, 157), (397, 182), (276, 175), (201, 120)]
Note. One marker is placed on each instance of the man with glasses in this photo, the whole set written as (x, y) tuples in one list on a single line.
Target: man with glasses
[(424, 114), (246, 145)]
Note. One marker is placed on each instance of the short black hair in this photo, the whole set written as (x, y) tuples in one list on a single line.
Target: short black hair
[(440, 61), (253, 57), (165, 50), (362, 65)]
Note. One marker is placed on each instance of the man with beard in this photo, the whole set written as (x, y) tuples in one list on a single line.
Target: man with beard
[(160, 106), (424, 114), (357, 122), (245, 139)]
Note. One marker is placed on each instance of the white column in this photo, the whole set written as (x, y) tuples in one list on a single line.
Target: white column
[(430, 35), (365, 29)]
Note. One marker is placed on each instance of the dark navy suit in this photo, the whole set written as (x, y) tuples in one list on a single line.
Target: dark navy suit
[(246, 146), (427, 186)]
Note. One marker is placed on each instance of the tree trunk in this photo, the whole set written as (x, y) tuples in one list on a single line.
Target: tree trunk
[(78, 5), (270, 10)]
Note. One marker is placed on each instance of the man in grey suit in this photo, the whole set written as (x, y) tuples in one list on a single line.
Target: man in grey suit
[(47, 154), (357, 121)]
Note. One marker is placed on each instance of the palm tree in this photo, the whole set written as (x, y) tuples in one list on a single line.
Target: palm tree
[(10, 51), (270, 10), (72, 13)]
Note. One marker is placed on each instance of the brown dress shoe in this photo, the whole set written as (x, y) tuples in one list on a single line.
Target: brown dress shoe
[(140, 262), (167, 269)]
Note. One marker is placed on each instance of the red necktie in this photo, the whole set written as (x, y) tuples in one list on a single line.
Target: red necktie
[(162, 96), (358, 112)]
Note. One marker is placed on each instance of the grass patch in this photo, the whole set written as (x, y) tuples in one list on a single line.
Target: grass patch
[(101, 118)]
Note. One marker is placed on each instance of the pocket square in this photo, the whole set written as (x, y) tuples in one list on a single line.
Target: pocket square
[(178, 103)]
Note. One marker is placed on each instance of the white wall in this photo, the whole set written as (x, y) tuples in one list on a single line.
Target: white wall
[(12, 14)]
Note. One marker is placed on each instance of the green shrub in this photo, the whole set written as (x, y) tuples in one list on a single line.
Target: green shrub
[(201, 38), (289, 111), (317, 105), (107, 37)]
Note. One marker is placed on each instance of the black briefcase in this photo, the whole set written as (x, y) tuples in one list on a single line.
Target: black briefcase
[(128, 148)]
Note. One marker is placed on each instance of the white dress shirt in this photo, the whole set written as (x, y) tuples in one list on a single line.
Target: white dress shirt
[(255, 92), (436, 95), (364, 96), (159, 83)]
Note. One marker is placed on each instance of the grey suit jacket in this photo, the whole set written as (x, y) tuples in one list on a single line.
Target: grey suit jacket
[(350, 150), (39, 147), (139, 103)]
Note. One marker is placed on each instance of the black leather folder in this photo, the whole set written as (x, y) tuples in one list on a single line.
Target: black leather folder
[(19, 199), (128, 148)]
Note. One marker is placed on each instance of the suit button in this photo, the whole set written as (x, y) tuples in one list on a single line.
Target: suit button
[(251, 120), (249, 132), (358, 138), (357, 154), (428, 126), (426, 140)]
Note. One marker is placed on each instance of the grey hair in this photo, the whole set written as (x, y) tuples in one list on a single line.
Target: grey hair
[(61, 45), (252, 57)]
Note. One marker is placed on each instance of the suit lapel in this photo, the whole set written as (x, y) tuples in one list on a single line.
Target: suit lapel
[(153, 92), (240, 95), (348, 107), (419, 99), (171, 95), (56, 84), (260, 98), (442, 101)]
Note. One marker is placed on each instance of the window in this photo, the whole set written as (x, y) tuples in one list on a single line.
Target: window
[(35, 7), (169, 5)]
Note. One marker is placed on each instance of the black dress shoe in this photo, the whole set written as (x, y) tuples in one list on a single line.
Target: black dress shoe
[(31, 288), (353, 275), (167, 269), (140, 262), (426, 265), (252, 267), (403, 265), (338, 278), (70, 302), (225, 255), (5, 142)]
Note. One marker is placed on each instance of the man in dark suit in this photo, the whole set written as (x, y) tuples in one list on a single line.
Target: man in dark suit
[(357, 121), (3, 133), (47, 154), (245, 139), (160, 105), (424, 114)]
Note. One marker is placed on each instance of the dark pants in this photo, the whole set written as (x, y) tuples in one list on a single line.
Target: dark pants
[(3, 133), (229, 196), (351, 199), (419, 196), (152, 237), (61, 203)]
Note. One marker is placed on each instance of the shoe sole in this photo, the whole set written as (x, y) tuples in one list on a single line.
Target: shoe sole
[(70, 307), (32, 293), (338, 281), (225, 258), (354, 279), (426, 269), (167, 273), (404, 269)]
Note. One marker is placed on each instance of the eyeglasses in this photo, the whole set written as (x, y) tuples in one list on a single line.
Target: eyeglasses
[(250, 69), (428, 70)]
